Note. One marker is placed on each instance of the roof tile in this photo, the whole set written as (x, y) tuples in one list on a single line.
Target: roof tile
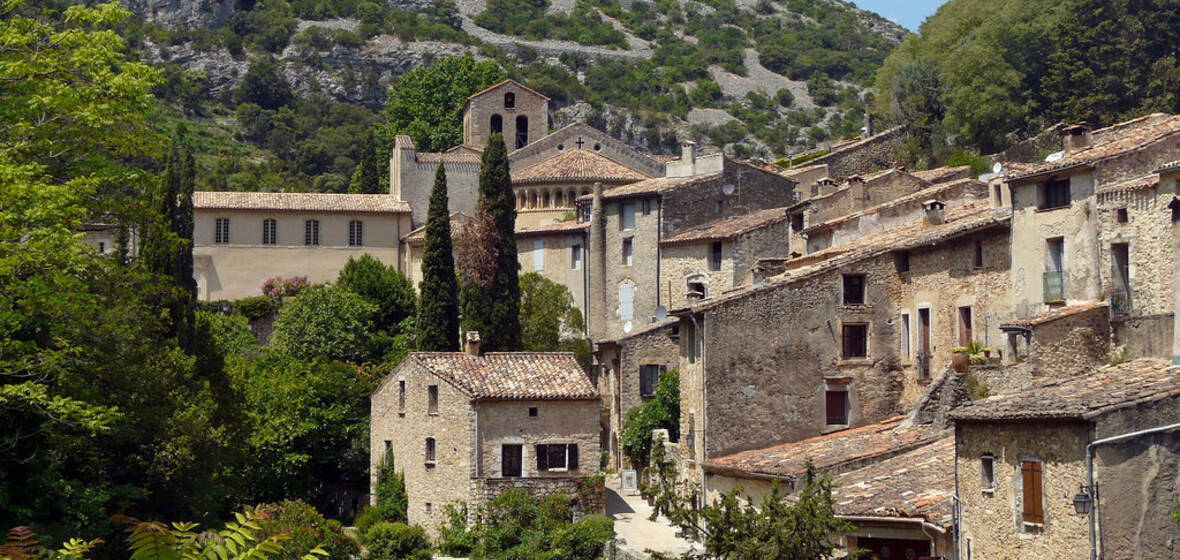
[(305, 202), (511, 375), (577, 165), (915, 484), (729, 228)]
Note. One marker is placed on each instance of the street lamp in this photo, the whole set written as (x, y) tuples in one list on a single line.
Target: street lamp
[(1083, 501)]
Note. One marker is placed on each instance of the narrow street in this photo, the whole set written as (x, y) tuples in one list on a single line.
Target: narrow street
[(636, 532)]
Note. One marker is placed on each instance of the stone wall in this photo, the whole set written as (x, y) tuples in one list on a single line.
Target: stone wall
[(1137, 481), (754, 189), (1070, 346), (411, 181), (864, 156), (1148, 235), (429, 487), (622, 388), (1145, 336), (992, 520), (685, 263), (556, 262), (508, 422), (908, 212), (595, 503), (772, 240), (482, 107)]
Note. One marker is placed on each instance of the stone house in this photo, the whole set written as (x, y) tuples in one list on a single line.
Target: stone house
[(465, 426), (848, 337), (1058, 343), (895, 483), (630, 371), (104, 238), (1090, 222), (1022, 464), (241, 239), (628, 223)]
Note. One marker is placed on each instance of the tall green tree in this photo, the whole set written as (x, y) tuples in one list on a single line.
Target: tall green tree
[(390, 292), (494, 309), (168, 242), (367, 178), (438, 311)]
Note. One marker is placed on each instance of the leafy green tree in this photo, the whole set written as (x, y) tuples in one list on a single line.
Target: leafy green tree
[(397, 541), (389, 291), (438, 314), (549, 320), (426, 103), (305, 530), (659, 413), (495, 310), (326, 321), (367, 179), (264, 85), (516, 524)]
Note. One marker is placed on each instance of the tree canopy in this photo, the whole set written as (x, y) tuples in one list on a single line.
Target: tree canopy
[(426, 103)]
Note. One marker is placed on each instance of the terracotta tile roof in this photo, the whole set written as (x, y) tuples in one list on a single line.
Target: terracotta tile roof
[(918, 196), (511, 375), (298, 202), (508, 81), (663, 159), (571, 226), (451, 156), (642, 330), (1110, 142), (577, 165), (836, 452), (1051, 315), (418, 236), (1145, 182), (960, 220), (943, 174), (1086, 397), (918, 484), (730, 227), (1170, 166), (654, 186)]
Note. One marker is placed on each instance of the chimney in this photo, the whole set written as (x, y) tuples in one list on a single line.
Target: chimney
[(824, 186), (1078, 137), (472, 343), (688, 152), (857, 184), (595, 269), (934, 212), (867, 131)]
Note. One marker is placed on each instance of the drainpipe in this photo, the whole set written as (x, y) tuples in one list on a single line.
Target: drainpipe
[(704, 417), (1090, 478)]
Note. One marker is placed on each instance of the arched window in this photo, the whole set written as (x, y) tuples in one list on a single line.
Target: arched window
[(497, 124), (522, 131), (509, 100), (520, 200), (545, 199)]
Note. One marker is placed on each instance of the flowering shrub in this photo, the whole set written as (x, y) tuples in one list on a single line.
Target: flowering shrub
[(278, 286)]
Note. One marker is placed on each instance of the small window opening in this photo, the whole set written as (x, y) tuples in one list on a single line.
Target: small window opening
[(855, 341), (532, 412), (978, 262), (432, 399), (854, 289), (836, 404), (1120, 215), (987, 471), (510, 100), (715, 256)]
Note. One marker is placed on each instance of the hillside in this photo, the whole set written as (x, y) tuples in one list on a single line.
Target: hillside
[(757, 78)]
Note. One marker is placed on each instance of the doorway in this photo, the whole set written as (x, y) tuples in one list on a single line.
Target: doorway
[(924, 343)]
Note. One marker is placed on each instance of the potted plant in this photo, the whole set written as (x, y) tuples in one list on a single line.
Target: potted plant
[(960, 358)]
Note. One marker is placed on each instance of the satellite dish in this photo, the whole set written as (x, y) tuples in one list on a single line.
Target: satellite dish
[(661, 313), (627, 327), (727, 188), (998, 167)]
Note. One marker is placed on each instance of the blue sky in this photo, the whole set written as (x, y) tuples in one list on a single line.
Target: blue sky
[(909, 13)]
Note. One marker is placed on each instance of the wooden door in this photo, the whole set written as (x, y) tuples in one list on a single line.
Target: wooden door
[(924, 342), (511, 459)]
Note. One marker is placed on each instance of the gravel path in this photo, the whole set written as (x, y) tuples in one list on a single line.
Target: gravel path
[(635, 531)]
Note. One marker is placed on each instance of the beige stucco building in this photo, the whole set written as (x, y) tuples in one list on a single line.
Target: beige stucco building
[(465, 426), (242, 239)]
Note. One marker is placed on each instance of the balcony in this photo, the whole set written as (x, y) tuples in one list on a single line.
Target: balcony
[(1120, 302), (1054, 286)]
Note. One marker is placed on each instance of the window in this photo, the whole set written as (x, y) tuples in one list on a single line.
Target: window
[(401, 395), (797, 221), (428, 508), (690, 437), (388, 458), (836, 407), (649, 379), (221, 231), (432, 399), (102, 248), (270, 231), (854, 289), (1120, 215), (690, 342), (511, 459), (510, 100), (430, 451), (905, 336), (576, 257), (856, 341), (311, 232), (1032, 495), (987, 472), (557, 457), (718, 206), (497, 124), (533, 412), (715, 257), (1055, 194), (1054, 285), (626, 302), (965, 334), (978, 262), (646, 206), (522, 131), (903, 261), (356, 233), (628, 252), (539, 254), (627, 216)]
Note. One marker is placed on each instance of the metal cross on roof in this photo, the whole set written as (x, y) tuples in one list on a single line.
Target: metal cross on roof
[(579, 142)]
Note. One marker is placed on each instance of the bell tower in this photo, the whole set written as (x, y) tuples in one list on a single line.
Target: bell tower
[(519, 113)]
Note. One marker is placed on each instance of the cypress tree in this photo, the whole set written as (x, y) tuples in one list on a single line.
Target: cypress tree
[(438, 307), (157, 253), (168, 242), (499, 316), (367, 179)]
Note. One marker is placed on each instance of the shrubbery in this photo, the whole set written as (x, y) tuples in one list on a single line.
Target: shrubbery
[(305, 529), (516, 525), (397, 541)]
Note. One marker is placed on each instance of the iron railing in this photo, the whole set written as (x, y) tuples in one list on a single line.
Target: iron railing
[(923, 359), (1120, 303), (1054, 286)]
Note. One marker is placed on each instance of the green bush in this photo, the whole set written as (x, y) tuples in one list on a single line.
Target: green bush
[(397, 541), (662, 412), (305, 529), (255, 308), (584, 540), (455, 536)]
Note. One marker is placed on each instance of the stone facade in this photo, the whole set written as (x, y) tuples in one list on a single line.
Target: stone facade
[(863, 156), (238, 268), (622, 362), (1067, 342), (519, 113), (559, 254)]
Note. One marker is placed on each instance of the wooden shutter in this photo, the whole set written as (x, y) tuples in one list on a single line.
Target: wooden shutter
[(542, 458), (510, 460), (1033, 499), (573, 457)]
